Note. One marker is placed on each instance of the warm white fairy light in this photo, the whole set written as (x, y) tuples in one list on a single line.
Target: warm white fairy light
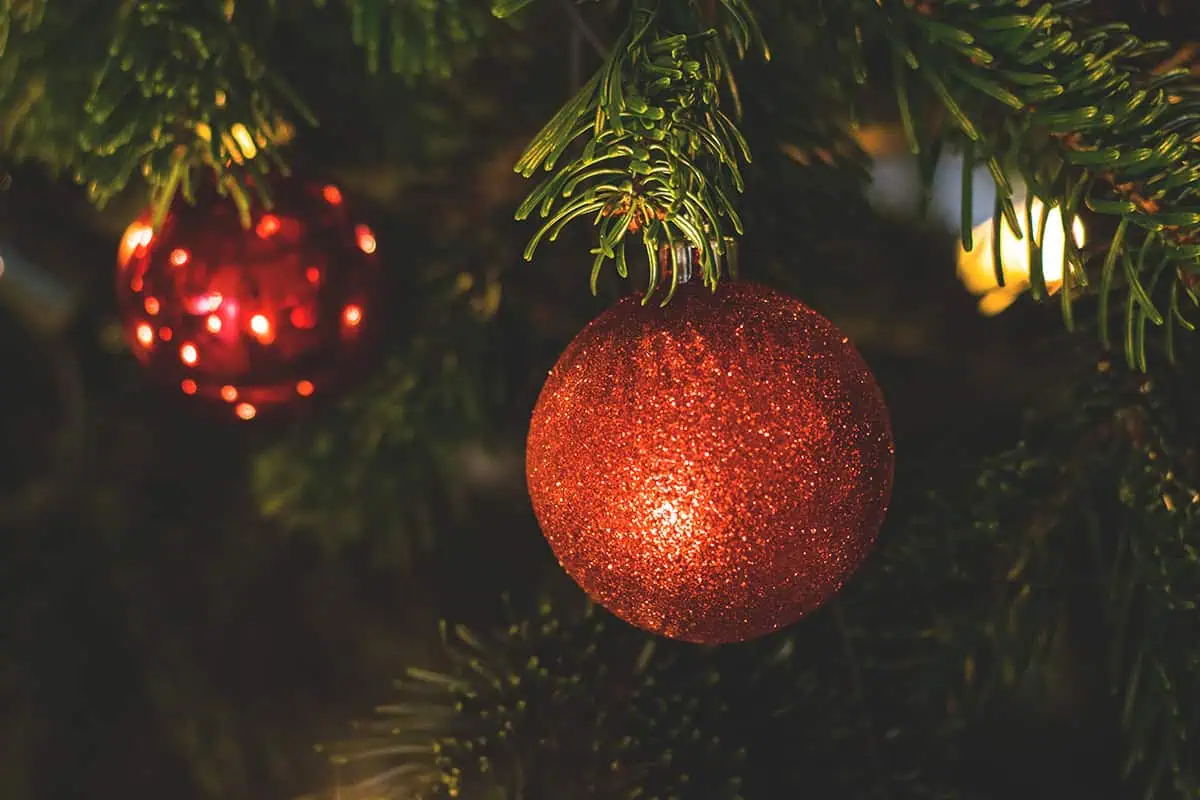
[(977, 267), (896, 190)]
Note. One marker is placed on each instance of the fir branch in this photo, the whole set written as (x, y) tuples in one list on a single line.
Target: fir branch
[(1153, 588), (336, 480), (26, 14), (659, 155), (421, 37), (560, 705), (1094, 513), (1090, 120), (150, 89), (181, 86)]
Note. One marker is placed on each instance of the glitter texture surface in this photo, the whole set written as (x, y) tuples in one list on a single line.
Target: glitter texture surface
[(713, 470)]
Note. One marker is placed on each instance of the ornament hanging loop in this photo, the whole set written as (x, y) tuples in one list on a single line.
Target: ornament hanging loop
[(681, 261)]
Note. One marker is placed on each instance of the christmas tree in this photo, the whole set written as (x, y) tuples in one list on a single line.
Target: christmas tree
[(272, 509)]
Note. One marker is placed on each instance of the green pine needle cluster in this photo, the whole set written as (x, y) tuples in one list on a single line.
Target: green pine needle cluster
[(335, 479), (1056, 576), (168, 92), (660, 157), (1081, 111), (1078, 108), (562, 704), (140, 90), (416, 38), (1155, 592)]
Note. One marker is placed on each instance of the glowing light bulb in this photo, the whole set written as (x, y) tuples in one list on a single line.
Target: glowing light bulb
[(245, 411), (152, 306), (189, 355), (305, 388), (900, 188), (262, 329), (352, 316), (977, 268), (137, 236), (179, 257), (332, 195), (213, 323), (268, 226), (188, 386), (229, 393), (205, 303), (365, 238), (302, 318), (145, 335)]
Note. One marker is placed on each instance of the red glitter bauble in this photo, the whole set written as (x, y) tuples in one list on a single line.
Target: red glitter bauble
[(713, 470), (252, 319)]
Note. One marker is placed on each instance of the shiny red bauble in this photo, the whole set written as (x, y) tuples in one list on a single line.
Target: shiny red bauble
[(251, 319), (713, 470)]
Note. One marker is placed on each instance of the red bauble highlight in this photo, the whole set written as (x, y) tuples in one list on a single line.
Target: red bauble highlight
[(713, 470), (252, 319)]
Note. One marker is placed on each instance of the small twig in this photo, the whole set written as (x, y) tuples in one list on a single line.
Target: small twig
[(585, 30), (874, 754)]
